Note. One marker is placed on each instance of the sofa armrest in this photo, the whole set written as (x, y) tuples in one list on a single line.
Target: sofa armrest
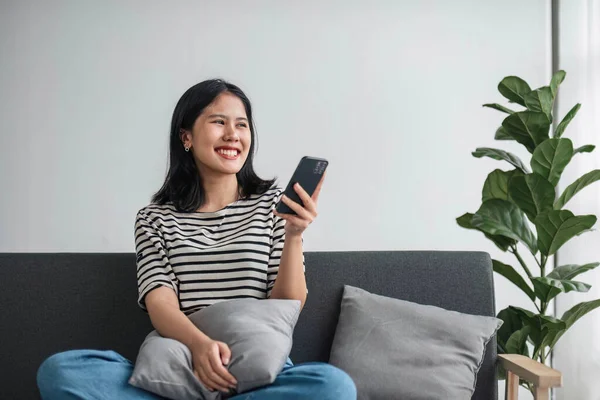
[(541, 376)]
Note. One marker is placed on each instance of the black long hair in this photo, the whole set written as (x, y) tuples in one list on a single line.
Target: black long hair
[(183, 184)]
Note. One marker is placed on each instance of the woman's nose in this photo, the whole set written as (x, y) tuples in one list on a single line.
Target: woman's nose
[(231, 133)]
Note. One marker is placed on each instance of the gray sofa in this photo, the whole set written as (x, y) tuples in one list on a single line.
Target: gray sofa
[(56, 302)]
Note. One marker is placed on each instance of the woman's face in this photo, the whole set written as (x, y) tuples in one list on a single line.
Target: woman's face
[(220, 138)]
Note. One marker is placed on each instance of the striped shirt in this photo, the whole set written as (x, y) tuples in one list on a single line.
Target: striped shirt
[(206, 257)]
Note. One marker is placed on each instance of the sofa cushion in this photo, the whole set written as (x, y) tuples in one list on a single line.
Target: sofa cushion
[(399, 349), (258, 333)]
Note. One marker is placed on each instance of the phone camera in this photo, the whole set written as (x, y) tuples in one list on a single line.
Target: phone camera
[(319, 168)]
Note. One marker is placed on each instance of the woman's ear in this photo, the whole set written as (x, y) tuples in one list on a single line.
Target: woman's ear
[(186, 138)]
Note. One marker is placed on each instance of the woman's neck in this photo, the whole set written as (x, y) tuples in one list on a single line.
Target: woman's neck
[(219, 192)]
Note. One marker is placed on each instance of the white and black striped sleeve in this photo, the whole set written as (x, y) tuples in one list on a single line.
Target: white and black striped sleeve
[(153, 267), (277, 242)]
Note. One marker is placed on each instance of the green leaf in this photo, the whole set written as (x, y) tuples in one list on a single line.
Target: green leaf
[(528, 128), (517, 342), (532, 193), (547, 335), (557, 79), (514, 89), (496, 184), (501, 134), (575, 187), (588, 148), (524, 314), (506, 339), (465, 221), (512, 275), (560, 129), (551, 157), (502, 242), (497, 154), (566, 285), (511, 322), (573, 315), (570, 271), (548, 288), (540, 100), (541, 327), (556, 227), (499, 107), (543, 291), (500, 217)]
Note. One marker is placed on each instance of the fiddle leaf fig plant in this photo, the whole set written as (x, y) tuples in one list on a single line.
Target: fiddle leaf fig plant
[(522, 211)]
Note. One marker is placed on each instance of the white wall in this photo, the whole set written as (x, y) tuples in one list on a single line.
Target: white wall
[(389, 91), (578, 352)]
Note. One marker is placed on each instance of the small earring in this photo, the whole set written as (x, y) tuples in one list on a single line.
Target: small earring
[(186, 148)]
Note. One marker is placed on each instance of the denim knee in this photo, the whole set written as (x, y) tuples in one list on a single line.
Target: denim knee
[(336, 384), (51, 375)]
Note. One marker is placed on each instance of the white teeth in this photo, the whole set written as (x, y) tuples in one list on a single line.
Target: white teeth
[(229, 153)]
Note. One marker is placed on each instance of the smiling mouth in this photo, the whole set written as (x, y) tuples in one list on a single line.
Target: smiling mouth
[(228, 154)]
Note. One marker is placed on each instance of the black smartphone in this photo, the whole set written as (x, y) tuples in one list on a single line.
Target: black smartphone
[(308, 173)]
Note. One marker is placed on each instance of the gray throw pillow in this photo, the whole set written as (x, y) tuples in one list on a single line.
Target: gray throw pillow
[(395, 349), (258, 332)]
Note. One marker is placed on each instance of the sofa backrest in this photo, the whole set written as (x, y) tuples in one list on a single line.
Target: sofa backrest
[(57, 302), (459, 281)]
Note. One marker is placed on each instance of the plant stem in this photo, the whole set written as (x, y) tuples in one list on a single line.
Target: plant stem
[(543, 265), (542, 308), (543, 356), (516, 253), (527, 386)]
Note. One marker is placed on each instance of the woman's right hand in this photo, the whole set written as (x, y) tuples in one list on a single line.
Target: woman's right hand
[(209, 359)]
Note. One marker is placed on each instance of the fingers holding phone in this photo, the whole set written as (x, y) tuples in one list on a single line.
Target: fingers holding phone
[(298, 204), (315, 195)]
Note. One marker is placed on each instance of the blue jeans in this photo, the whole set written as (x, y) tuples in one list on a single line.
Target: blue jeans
[(97, 374)]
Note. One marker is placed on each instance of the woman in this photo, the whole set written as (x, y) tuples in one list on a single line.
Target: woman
[(210, 234)]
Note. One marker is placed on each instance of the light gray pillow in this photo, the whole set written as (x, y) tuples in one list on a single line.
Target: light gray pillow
[(395, 349), (258, 332)]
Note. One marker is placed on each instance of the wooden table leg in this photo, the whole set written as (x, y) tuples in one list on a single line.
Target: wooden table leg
[(512, 386), (541, 393)]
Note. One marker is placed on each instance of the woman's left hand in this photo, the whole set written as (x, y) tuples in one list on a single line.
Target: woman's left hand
[(306, 212)]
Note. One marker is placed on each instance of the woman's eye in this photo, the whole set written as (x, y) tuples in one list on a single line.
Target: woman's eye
[(243, 125), (220, 121)]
